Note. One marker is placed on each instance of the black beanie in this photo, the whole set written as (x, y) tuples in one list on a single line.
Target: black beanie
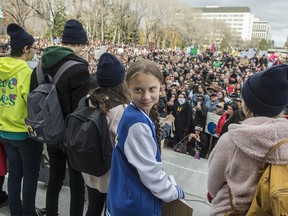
[(19, 38), (110, 71), (266, 92), (74, 33)]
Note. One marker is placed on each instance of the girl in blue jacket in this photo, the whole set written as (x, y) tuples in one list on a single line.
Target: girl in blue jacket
[(138, 183)]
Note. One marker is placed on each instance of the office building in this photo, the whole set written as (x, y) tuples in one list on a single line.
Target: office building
[(261, 30), (240, 19)]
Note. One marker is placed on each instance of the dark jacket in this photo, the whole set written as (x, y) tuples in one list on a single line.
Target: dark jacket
[(199, 116), (237, 118), (162, 106), (183, 116), (73, 84)]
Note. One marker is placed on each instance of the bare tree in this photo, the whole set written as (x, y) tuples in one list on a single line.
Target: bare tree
[(16, 11), (47, 10), (167, 23)]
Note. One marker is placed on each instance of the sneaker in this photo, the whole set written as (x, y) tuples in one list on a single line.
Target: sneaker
[(3, 199), (40, 211)]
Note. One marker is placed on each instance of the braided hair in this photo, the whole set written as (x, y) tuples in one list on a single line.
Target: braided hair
[(151, 68), (104, 98)]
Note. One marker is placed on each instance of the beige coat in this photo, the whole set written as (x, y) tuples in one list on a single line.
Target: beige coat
[(237, 157), (101, 183)]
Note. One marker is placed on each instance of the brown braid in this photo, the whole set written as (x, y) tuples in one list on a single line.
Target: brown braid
[(148, 67), (154, 115), (100, 96)]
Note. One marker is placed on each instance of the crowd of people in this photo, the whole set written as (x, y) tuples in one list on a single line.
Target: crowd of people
[(164, 95)]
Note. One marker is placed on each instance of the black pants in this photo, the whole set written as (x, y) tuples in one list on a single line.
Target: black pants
[(1, 183), (57, 160), (96, 202), (179, 135)]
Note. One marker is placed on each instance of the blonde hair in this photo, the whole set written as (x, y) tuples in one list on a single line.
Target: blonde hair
[(151, 68), (144, 66), (248, 113)]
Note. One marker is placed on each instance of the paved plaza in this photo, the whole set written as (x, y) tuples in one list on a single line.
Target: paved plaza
[(190, 174)]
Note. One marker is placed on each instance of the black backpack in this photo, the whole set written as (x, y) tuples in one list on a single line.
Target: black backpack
[(87, 140), (45, 121)]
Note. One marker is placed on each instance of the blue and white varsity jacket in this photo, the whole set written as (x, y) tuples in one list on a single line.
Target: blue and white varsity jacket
[(138, 183)]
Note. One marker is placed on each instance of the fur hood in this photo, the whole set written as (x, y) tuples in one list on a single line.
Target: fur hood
[(255, 136)]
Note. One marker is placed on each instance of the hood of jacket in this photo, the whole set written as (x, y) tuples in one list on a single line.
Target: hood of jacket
[(54, 54), (10, 66), (255, 136)]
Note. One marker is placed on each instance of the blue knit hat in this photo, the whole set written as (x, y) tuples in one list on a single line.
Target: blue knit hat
[(19, 38), (74, 33), (110, 71), (266, 92)]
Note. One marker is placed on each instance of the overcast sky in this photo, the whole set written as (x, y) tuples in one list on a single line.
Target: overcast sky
[(273, 11)]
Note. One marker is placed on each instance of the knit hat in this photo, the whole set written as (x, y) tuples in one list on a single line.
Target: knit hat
[(74, 33), (19, 38), (266, 92), (110, 71)]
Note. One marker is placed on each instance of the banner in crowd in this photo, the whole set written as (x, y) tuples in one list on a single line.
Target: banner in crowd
[(191, 50), (211, 122)]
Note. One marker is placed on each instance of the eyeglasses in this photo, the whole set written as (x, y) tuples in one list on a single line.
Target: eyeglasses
[(210, 91), (33, 48)]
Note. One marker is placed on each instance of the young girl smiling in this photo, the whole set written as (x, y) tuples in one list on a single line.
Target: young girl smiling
[(138, 183)]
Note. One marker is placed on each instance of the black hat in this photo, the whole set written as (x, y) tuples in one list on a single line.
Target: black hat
[(266, 92), (19, 38), (74, 33), (233, 95), (110, 71)]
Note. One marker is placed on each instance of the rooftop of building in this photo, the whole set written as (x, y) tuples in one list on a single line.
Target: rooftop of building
[(217, 9)]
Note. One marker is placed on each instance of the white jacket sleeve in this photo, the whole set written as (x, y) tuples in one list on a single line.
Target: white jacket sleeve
[(140, 149)]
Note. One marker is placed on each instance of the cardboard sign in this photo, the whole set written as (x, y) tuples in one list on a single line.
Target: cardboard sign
[(176, 208), (211, 122), (120, 50)]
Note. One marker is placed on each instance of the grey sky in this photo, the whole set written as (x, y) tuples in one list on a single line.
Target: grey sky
[(273, 11)]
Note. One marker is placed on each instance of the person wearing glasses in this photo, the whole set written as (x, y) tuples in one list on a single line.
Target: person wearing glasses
[(23, 153)]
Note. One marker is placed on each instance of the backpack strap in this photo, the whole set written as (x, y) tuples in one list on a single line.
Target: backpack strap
[(63, 68), (272, 149), (233, 208), (39, 74)]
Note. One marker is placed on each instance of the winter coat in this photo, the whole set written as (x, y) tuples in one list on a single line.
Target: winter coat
[(211, 106), (183, 116), (138, 183), (237, 158), (101, 183), (221, 123), (162, 106), (73, 85), (199, 116)]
